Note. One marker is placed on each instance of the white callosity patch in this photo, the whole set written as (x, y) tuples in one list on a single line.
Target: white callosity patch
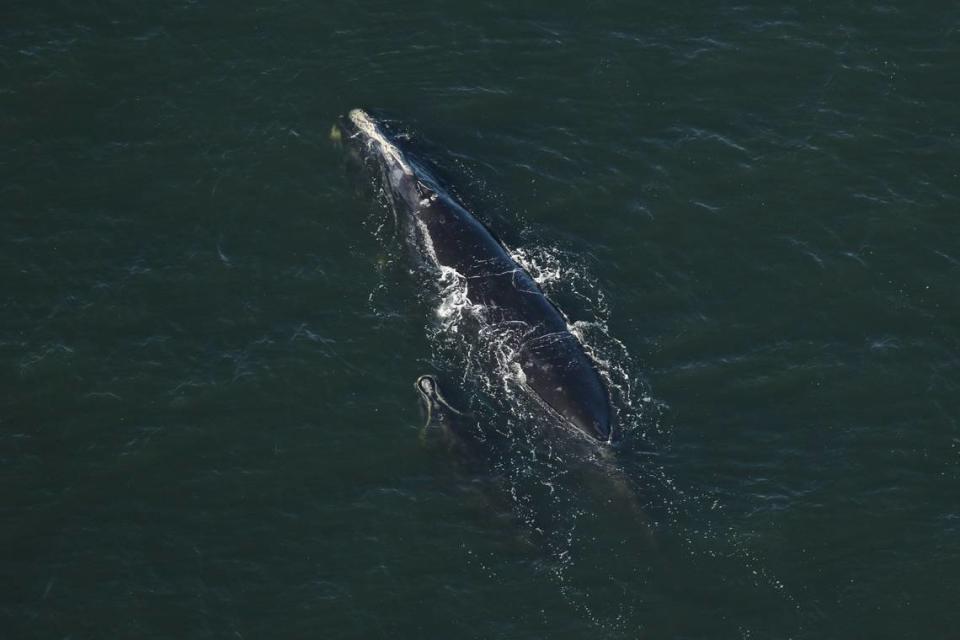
[(370, 130)]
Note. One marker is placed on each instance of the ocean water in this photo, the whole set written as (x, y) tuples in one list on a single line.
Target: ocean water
[(208, 336)]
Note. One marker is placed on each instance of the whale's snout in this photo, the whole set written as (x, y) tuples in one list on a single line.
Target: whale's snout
[(368, 142)]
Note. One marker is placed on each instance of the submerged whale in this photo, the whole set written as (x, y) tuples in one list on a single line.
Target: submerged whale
[(446, 422), (548, 361)]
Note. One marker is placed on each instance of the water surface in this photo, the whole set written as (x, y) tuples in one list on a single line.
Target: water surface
[(208, 426)]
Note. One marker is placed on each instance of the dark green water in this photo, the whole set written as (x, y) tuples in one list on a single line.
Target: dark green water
[(207, 423)]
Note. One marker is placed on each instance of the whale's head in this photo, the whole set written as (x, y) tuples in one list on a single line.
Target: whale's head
[(429, 390), (426, 386), (369, 145), (438, 411)]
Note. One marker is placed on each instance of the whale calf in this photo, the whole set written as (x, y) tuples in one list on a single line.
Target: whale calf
[(547, 359), (450, 424)]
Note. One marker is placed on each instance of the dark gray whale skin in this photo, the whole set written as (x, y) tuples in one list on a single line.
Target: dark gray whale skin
[(555, 369)]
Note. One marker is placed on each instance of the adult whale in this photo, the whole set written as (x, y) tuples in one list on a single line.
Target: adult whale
[(548, 361)]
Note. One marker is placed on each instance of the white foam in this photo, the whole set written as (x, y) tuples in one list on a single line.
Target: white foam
[(428, 244)]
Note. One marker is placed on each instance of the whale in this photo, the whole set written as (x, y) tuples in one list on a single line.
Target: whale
[(547, 361), (450, 425)]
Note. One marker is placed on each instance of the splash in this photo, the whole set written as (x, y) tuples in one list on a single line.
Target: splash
[(455, 301)]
